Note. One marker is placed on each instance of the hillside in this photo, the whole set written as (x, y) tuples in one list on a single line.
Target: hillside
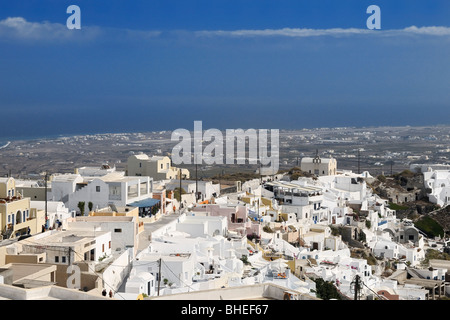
[(412, 184)]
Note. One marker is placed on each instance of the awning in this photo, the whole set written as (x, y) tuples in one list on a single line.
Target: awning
[(150, 202)]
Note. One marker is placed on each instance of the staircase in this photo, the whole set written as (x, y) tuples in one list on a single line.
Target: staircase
[(414, 273)]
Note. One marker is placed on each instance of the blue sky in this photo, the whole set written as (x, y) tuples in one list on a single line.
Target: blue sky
[(156, 65)]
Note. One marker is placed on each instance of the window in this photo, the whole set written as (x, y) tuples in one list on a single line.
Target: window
[(118, 230), (97, 188), (63, 259), (56, 259), (103, 247), (109, 245)]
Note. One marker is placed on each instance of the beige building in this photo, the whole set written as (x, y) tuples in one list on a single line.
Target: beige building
[(16, 215), (70, 246), (157, 167), (319, 166)]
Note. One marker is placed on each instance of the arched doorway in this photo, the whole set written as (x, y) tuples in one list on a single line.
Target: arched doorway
[(19, 217)]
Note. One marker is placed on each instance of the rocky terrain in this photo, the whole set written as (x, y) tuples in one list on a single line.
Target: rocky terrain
[(409, 182)]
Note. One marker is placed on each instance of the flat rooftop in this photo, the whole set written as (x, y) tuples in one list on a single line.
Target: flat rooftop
[(291, 185), (264, 291), (64, 238)]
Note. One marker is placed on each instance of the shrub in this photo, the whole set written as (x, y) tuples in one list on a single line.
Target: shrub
[(430, 227), (326, 290)]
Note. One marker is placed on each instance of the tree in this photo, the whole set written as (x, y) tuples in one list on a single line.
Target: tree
[(155, 208), (81, 205), (326, 290), (176, 192), (90, 205)]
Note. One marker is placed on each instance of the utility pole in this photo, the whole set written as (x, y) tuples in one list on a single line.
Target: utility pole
[(196, 184), (260, 173), (46, 212), (180, 191), (159, 275), (356, 287)]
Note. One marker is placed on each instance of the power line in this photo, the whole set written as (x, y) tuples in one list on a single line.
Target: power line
[(178, 277), (100, 276), (381, 297)]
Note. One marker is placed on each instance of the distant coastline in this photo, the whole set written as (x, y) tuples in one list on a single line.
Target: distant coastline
[(5, 141)]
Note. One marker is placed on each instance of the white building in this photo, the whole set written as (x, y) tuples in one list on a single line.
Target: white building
[(156, 167), (139, 283), (300, 198), (58, 214), (202, 226), (319, 166), (205, 189), (124, 230), (438, 181), (113, 188)]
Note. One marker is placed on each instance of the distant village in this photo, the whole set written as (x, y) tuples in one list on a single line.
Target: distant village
[(157, 232)]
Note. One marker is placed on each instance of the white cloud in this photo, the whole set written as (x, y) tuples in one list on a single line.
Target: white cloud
[(18, 28), (286, 32), (335, 32), (435, 31)]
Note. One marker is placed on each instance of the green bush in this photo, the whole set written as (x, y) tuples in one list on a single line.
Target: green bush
[(397, 207), (326, 290), (430, 227)]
